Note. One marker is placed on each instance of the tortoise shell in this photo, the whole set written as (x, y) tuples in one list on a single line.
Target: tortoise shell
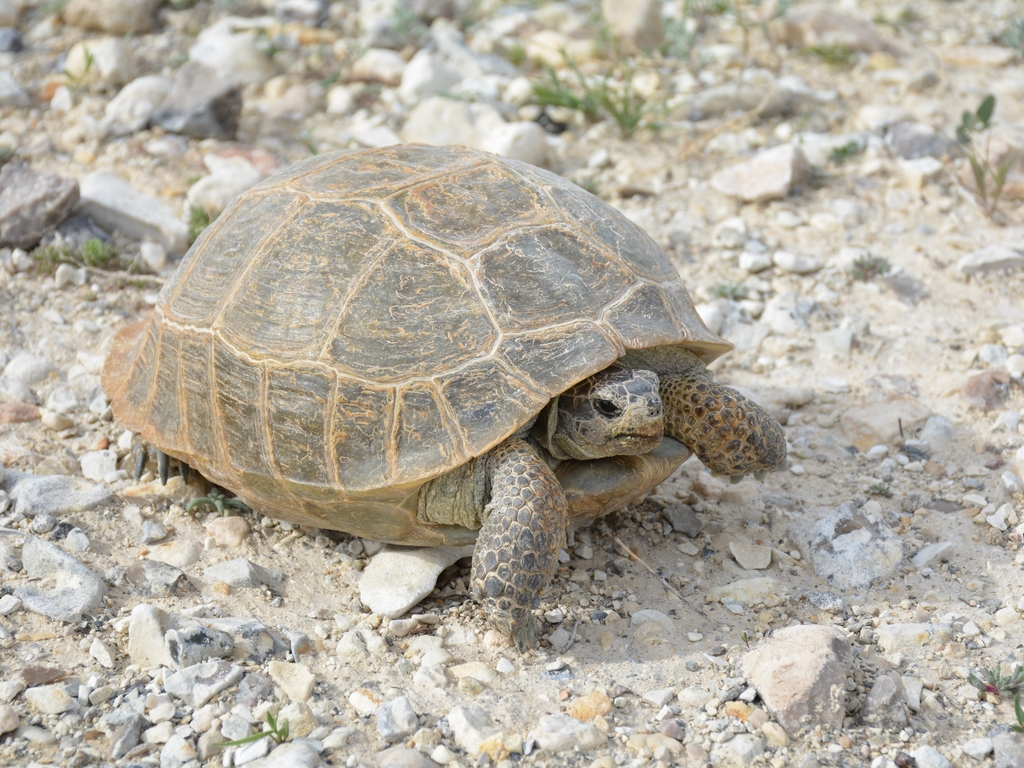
[(366, 321)]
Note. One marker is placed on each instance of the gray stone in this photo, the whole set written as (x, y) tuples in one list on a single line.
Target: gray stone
[(125, 737), (850, 550), (234, 58), (397, 578), (403, 757), (152, 531), (243, 574), (194, 645), (152, 578), (32, 204), (229, 177), (768, 175), (12, 94), (134, 105), (911, 140), (928, 756), (12, 391), (9, 719), (424, 75), (10, 40), (991, 259), (118, 17), (98, 464), (931, 553), (197, 684), (795, 263), (938, 432), (978, 749), (43, 523), (116, 205), (58, 495), (396, 719), (1009, 749), (787, 94), (76, 540), (897, 637), (561, 733), (883, 706), (799, 673), (178, 752), (77, 589), (471, 727), (683, 519), (821, 24), (200, 104)]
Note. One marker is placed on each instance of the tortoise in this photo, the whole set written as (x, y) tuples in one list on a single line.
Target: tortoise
[(433, 345)]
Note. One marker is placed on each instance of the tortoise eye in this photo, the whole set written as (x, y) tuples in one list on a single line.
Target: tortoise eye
[(606, 408)]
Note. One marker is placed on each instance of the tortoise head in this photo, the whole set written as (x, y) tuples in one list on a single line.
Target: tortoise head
[(612, 413)]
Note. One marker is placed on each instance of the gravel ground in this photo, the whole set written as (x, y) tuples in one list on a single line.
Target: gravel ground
[(800, 167)]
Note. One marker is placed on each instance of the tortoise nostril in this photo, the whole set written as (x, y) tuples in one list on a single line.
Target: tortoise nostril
[(606, 407)]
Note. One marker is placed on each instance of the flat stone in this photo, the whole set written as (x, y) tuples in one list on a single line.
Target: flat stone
[(931, 553), (986, 390), (751, 556), (101, 653), (992, 258), (289, 755), (636, 25), (398, 578), (243, 574), (49, 699), (179, 553), (9, 719), (850, 550), (471, 727), (978, 749), (561, 733), (106, 62), (77, 590), (879, 423), (97, 464), (379, 65), (404, 757), (928, 756), (979, 56), (32, 204), (199, 683), (737, 752), (28, 369), (18, 413), (234, 58), (897, 637), (117, 206), (294, 679), (822, 25), (769, 175), (794, 263), (146, 629), (125, 737), (200, 104), (1009, 749), (745, 591), (799, 673)]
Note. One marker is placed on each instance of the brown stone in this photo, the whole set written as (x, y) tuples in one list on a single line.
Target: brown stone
[(115, 16), (986, 390), (879, 423), (590, 706), (15, 413)]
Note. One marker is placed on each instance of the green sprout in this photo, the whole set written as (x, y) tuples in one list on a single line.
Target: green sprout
[(96, 253), (1013, 36), (78, 81), (733, 291), (989, 180), (881, 489), (278, 731), (841, 154), (1019, 727), (867, 268), (6, 155), (218, 501), (833, 54), (198, 219)]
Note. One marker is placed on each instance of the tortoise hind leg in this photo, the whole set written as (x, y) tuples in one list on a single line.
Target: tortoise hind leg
[(517, 548), (142, 453), (729, 433)]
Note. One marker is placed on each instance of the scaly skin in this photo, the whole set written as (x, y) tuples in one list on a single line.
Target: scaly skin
[(517, 548), (729, 433)]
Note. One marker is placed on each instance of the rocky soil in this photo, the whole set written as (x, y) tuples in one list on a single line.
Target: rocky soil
[(801, 166)]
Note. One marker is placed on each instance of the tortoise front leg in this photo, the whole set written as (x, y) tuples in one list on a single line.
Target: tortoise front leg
[(729, 433), (517, 548)]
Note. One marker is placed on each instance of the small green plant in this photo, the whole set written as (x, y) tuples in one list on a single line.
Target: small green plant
[(218, 501), (993, 680), (733, 291), (867, 268), (277, 730), (96, 253), (1019, 727), (834, 54), (746, 639), (77, 82), (198, 219), (841, 154), (516, 54), (406, 25), (881, 489), (680, 40), (48, 257), (988, 180), (1013, 36), (616, 98), (6, 155)]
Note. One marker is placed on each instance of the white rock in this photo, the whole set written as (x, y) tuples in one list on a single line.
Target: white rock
[(737, 752), (898, 637), (28, 369), (919, 170), (105, 61), (978, 749), (752, 262), (636, 24), (49, 699), (768, 175), (131, 109), (229, 177), (751, 556), (116, 205), (96, 464), (795, 263), (12, 94), (745, 591), (340, 101), (119, 17), (929, 757), (471, 727), (930, 553), (782, 313), (938, 432), (837, 342), (990, 259), (424, 75), (234, 57), (379, 65), (1015, 365), (998, 519), (523, 141), (561, 733), (153, 255), (99, 651), (399, 577)]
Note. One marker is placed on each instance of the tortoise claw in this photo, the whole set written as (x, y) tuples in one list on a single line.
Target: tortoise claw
[(761, 475), (736, 478), (186, 472), (140, 460), (161, 464)]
